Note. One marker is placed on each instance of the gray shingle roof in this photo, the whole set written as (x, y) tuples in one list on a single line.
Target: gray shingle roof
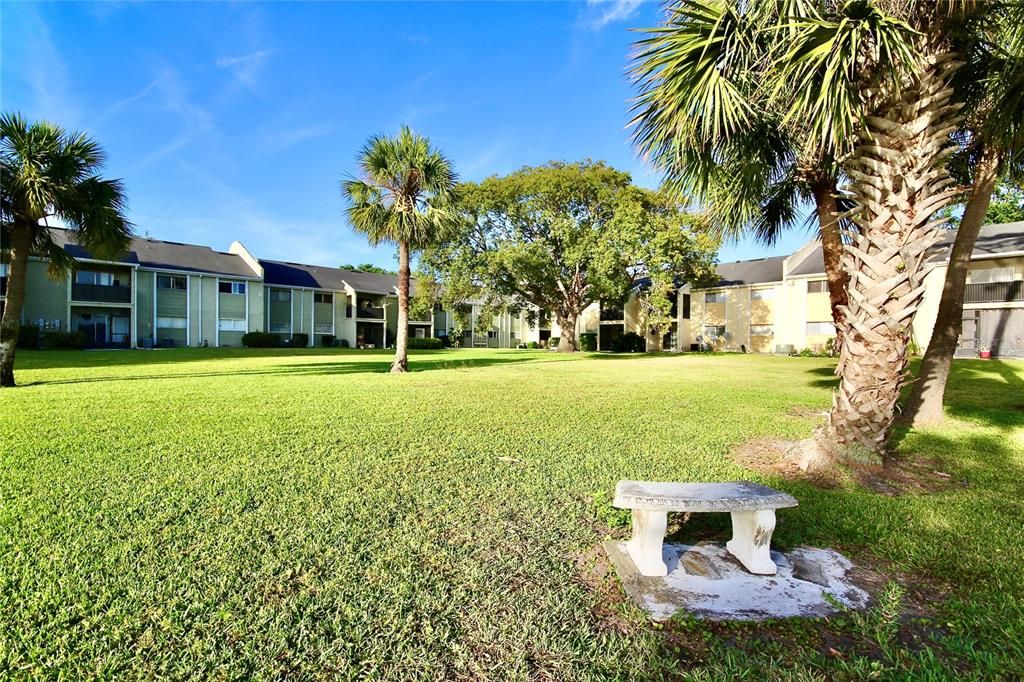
[(282, 273), (993, 240), (755, 271), (153, 253)]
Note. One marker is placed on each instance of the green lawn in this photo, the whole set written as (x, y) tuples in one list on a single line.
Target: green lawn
[(263, 514)]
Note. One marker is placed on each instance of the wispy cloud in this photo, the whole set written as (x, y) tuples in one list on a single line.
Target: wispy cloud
[(414, 37), (44, 69), (173, 93), (246, 67), (611, 11), (280, 140)]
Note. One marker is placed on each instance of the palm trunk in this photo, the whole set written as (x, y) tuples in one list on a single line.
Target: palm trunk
[(925, 404), (401, 362), (899, 182), (567, 324), (21, 242), (827, 209)]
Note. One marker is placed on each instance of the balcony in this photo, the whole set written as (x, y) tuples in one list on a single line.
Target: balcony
[(994, 292), (368, 312), (101, 293)]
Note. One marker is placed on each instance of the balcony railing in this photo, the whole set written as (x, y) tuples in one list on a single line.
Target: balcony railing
[(370, 312), (994, 292), (101, 293), (612, 315)]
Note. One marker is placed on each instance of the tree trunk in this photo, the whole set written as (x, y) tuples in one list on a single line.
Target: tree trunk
[(925, 404), (827, 209), (21, 242), (567, 325), (898, 181), (401, 362)]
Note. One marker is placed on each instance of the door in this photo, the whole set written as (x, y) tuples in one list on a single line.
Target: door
[(95, 326)]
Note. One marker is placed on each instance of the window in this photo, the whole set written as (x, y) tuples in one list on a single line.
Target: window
[(820, 328), (280, 327), (987, 275), (761, 330), (762, 294), (3, 279), (170, 282), (232, 325), (714, 297), (817, 286), (171, 322), (686, 306), (714, 331), (323, 328), (232, 287), (280, 295), (492, 334), (323, 298), (420, 333), (104, 279), (348, 310)]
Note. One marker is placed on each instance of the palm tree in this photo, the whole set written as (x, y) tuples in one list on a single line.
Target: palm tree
[(49, 172), (870, 83), (405, 197), (993, 145), (725, 143)]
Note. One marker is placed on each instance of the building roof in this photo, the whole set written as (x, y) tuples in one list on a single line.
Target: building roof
[(757, 271), (993, 240), (154, 253), (283, 273)]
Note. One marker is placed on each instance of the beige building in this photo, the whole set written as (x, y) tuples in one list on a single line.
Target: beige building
[(781, 304)]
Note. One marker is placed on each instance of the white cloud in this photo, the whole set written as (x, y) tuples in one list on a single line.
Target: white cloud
[(281, 139), (246, 67), (43, 68), (612, 11)]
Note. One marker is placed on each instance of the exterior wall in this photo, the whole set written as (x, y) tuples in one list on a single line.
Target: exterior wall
[(345, 327), (256, 307), (145, 283), (232, 307), (46, 300), (208, 295)]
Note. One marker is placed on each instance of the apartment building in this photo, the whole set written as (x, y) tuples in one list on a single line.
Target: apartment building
[(166, 294), (782, 304)]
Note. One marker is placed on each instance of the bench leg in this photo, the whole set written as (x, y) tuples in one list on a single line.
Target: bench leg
[(645, 546), (751, 540)]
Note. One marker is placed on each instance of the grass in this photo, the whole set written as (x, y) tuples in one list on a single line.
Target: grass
[(236, 514)]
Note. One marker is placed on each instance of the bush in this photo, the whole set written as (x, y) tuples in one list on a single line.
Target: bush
[(588, 342), (260, 340), (553, 342), (533, 345), (64, 340), (28, 336), (427, 343), (299, 340), (630, 342), (327, 340), (344, 343)]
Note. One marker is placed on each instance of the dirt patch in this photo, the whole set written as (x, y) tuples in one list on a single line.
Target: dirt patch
[(597, 573), (902, 475)]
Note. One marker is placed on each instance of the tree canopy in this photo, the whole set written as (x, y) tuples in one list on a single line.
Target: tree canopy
[(555, 238), (367, 267)]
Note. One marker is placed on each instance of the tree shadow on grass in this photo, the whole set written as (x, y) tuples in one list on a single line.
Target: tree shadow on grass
[(445, 362)]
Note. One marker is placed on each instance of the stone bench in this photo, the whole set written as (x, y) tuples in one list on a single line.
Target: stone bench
[(753, 518)]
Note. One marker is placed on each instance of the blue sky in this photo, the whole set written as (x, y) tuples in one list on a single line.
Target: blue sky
[(238, 120)]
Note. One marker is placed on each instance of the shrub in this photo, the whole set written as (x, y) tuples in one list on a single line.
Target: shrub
[(344, 343), (425, 344), (64, 340), (260, 340), (553, 342), (28, 336), (630, 342), (300, 340), (588, 342), (327, 340), (533, 345)]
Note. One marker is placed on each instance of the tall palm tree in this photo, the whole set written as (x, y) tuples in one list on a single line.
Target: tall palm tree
[(48, 172), (993, 145), (705, 118), (869, 82), (405, 196)]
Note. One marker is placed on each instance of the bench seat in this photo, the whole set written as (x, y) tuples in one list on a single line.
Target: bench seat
[(753, 518)]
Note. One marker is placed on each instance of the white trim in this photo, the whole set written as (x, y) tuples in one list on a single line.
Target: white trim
[(188, 311), (217, 311), (135, 316)]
